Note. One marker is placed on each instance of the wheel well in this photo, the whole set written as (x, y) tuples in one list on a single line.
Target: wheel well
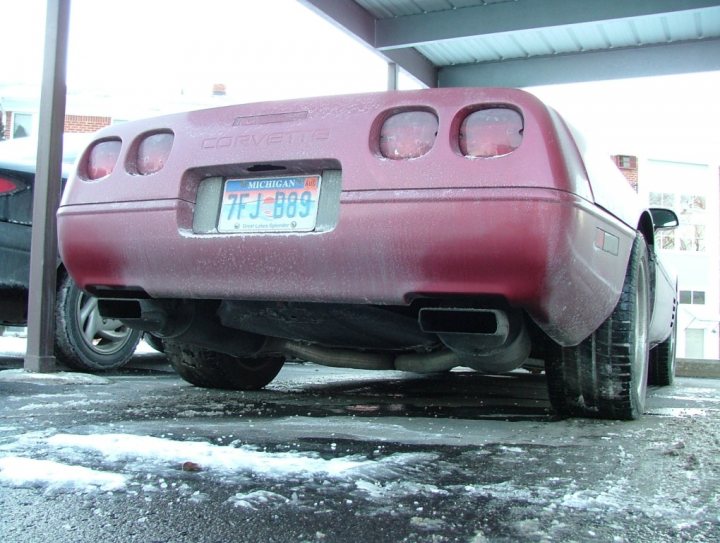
[(645, 227)]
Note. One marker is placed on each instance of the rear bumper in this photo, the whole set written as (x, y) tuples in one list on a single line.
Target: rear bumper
[(536, 248)]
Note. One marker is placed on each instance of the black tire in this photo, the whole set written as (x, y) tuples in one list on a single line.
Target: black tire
[(83, 339), (606, 375), (662, 360), (155, 342), (210, 369)]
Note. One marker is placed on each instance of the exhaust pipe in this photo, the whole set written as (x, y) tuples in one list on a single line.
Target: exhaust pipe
[(336, 358), (435, 362), (487, 340), (343, 358), (453, 320)]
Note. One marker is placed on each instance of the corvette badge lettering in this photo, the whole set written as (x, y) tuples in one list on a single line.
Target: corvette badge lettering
[(258, 140)]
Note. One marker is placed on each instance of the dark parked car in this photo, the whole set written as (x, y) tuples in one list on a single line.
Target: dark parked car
[(83, 339), (417, 231)]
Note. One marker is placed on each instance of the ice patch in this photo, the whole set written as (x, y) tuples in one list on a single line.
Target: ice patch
[(681, 412), (614, 499), (698, 398), (207, 456), (191, 413), (508, 491), (73, 404), (512, 449), (57, 378), (17, 471), (428, 524), (398, 489), (257, 499)]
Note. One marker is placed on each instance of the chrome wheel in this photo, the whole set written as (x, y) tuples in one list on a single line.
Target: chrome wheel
[(104, 336), (84, 340)]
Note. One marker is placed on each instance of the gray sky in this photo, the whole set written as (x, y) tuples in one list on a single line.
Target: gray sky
[(259, 50)]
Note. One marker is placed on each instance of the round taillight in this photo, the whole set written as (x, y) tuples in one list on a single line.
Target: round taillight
[(409, 134), (153, 152), (102, 158), (491, 132), (7, 186)]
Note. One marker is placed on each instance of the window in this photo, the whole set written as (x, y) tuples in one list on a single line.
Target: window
[(662, 199), (692, 297), (22, 125), (666, 239), (693, 202), (692, 237), (626, 162)]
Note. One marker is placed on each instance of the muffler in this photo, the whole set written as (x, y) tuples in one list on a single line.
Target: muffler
[(486, 340)]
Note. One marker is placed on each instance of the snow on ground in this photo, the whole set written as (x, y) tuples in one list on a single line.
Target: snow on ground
[(12, 345), (57, 378), (15, 346), (148, 454), (257, 499), (18, 471), (232, 458), (552, 469)]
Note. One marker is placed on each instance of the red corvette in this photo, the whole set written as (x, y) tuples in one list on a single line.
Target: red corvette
[(417, 231)]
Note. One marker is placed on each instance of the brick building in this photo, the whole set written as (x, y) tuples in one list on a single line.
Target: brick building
[(85, 123), (20, 124), (628, 165)]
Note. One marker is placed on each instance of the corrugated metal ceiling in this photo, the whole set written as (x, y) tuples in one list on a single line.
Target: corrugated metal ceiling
[(385, 9), (450, 42), (647, 30)]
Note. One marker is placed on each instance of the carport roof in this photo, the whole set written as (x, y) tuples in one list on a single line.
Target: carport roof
[(531, 42)]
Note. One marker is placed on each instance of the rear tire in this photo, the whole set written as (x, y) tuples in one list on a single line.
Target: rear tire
[(210, 369), (606, 375), (662, 361), (84, 340), (155, 342)]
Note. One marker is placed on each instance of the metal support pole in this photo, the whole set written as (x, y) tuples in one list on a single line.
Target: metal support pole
[(40, 355), (392, 76)]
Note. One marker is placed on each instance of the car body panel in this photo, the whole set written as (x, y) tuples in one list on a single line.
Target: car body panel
[(524, 227), (665, 303), (302, 133), (390, 267)]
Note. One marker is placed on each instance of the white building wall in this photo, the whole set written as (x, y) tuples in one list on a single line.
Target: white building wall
[(693, 250)]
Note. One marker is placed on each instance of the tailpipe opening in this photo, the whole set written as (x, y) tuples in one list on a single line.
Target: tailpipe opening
[(488, 340), (441, 320)]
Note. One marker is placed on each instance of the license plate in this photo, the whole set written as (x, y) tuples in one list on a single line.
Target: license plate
[(278, 204)]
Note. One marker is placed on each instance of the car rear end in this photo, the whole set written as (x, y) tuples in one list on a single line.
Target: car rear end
[(462, 196)]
